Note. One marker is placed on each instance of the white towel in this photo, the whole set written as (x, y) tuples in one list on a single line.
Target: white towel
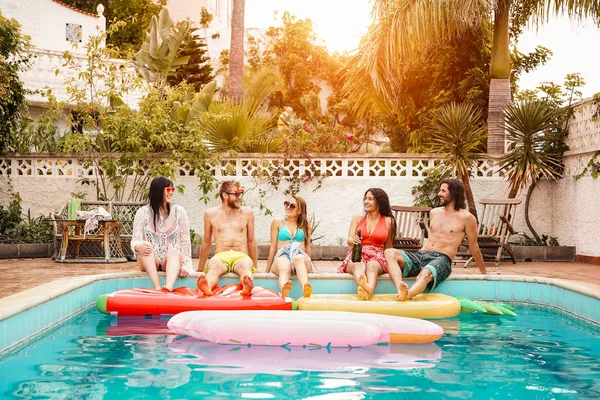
[(92, 217)]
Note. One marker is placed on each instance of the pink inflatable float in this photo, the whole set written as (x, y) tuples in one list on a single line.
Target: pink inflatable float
[(303, 328), (289, 361)]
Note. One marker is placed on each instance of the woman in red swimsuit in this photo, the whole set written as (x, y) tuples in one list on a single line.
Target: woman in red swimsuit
[(377, 228)]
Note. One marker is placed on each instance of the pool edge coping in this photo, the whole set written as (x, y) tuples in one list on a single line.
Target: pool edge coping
[(30, 298)]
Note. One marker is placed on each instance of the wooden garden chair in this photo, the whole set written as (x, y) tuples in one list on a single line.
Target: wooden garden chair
[(495, 227), (411, 227)]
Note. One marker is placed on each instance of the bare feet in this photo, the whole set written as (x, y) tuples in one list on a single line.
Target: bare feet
[(247, 285), (286, 288), (307, 290), (363, 294), (402, 291), (362, 284), (202, 284)]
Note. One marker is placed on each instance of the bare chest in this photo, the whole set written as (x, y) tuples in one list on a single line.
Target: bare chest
[(443, 224), (230, 225)]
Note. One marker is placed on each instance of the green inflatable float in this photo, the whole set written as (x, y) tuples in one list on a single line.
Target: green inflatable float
[(468, 306)]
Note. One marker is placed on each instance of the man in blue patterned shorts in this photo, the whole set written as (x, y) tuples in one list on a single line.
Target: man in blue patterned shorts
[(450, 223)]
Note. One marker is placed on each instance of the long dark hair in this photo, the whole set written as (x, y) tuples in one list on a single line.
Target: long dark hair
[(302, 219), (457, 191), (383, 202), (156, 196)]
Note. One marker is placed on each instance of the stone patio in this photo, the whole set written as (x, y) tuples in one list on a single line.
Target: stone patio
[(22, 274)]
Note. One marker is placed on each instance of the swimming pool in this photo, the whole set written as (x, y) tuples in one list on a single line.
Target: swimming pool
[(41, 316), (539, 354)]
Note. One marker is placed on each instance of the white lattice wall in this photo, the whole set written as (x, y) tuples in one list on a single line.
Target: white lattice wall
[(583, 139), (559, 209)]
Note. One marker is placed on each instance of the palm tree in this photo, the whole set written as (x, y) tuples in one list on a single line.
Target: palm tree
[(457, 131), (529, 126), (236, 50), (404, 27)]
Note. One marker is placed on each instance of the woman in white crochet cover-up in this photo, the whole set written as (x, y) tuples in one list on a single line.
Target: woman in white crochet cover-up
[(161, 236)]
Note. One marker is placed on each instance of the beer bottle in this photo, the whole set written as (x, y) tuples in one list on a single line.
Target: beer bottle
[(357, 249)]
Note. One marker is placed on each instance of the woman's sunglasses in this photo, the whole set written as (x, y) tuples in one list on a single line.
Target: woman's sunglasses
[(289, 205), (170, 189)]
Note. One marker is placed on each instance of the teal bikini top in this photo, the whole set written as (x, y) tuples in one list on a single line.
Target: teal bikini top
[(285, 235)]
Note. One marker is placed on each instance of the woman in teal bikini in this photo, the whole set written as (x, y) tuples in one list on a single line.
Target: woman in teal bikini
[(290, 247)]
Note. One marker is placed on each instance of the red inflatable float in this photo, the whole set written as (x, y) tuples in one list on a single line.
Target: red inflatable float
[(138, 302)]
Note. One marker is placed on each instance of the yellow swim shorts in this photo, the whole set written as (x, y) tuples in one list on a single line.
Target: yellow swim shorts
[(230, 258)]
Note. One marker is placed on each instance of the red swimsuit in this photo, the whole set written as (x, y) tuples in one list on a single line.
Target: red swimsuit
[(372, 245)]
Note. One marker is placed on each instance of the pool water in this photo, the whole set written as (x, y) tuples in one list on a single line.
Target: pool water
[(540, 354)]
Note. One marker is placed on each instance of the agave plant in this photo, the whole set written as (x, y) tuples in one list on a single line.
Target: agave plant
[(457, 131), (186, 112), (529, 125)]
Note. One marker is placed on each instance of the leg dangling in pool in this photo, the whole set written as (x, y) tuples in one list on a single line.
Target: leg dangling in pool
[(202, 284), (286, 288), (307, 290), (247, 285), (402, 291)]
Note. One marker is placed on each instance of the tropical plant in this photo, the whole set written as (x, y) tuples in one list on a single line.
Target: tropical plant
[(529, 125), (314, 224), (160, 54), (404, 28), (236, 50), (14, 58), (16, 229), (453, 70), (457, 131), (247, 124)]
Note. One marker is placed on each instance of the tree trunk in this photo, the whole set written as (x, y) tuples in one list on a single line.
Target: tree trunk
[(527, 221), (500, 96), (236, 50), (500, 63), (469, 194)]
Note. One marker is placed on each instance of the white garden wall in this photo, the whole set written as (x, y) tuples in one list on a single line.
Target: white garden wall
[(564, 209)]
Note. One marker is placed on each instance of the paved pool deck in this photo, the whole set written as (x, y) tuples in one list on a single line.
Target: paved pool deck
[(19, 275)]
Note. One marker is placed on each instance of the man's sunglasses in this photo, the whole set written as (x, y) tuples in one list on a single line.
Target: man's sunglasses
[(237, 193), (289, 205), (170, 189)]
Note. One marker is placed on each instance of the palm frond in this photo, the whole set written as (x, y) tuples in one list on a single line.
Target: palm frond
[(408, 26), (457, 131), (576, 10), (528, 124)]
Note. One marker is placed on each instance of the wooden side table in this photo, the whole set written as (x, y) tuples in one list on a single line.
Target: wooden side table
[(110, 238)]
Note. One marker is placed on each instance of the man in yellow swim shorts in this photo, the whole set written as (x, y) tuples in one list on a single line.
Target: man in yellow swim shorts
[(235, 245)]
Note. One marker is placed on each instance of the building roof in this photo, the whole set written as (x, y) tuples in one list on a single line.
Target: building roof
[(76, 9)]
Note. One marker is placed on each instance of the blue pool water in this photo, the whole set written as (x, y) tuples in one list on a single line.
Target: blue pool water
[(538, 355)]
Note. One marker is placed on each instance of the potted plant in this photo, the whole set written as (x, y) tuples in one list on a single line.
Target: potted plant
[(23, 237), (548, 249)]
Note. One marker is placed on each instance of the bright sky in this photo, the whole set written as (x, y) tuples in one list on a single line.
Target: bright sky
[(341, 23)]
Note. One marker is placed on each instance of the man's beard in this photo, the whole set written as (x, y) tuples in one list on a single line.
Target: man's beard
[(233, 204), (445, 202)]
